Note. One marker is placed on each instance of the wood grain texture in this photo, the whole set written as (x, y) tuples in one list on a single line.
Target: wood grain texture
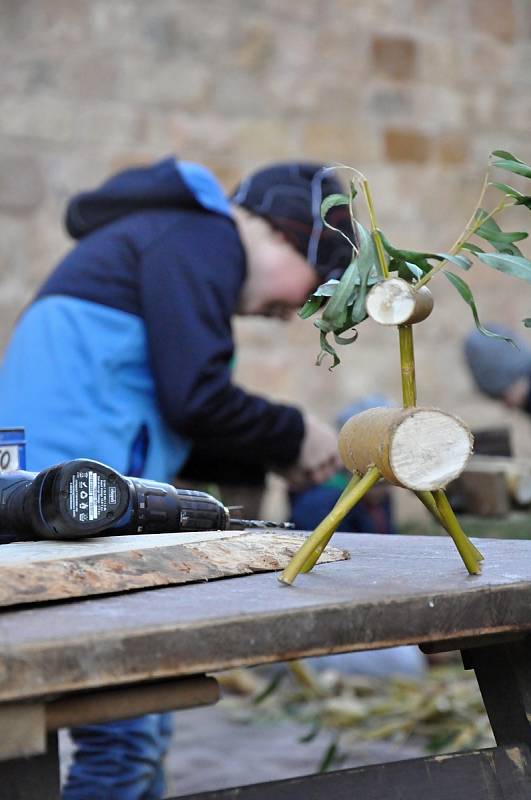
[(394, 590), (35, 572)]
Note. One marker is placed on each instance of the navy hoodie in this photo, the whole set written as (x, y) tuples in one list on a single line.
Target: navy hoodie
[(129, 340)]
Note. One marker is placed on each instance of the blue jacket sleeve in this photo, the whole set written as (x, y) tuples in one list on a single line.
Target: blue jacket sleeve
[(189, 285)]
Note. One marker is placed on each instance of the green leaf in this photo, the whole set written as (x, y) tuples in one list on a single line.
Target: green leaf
[(406, 270), (504, 237), (326, 289), (330, 756), (421, 259), (310, 307), (465, 292), (332, 200), (472, 247), (513, 165), (521, 199), (527, 322), (313, 732), (329, 202), (327, 348), (492, 233), (505, 155), (460, 261), (273, 684), (517, 266), (367, 263), (346, 339)]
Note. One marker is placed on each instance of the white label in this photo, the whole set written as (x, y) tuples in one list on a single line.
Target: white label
[(9, 459)]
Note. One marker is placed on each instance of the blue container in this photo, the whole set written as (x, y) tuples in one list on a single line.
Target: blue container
[(12, 449)]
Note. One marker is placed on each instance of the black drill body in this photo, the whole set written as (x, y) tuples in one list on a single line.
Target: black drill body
[(83, 498)]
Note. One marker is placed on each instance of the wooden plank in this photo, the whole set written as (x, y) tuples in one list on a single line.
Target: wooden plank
[(23, 727), (493, 774), (34, 572), (395, 590)]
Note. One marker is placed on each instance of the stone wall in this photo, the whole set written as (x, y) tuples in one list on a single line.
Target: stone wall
[(415, 93)]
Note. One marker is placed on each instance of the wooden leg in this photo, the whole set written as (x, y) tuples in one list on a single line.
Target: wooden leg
[(314, 545), (33, 777), (503, 672)]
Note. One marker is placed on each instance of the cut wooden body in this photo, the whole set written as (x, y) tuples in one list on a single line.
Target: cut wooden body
[(395, 302), (417, 448)]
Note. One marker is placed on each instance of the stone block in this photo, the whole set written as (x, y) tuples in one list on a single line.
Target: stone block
[(394, 56), (406, 145), (495, 17), (333, 141), (451, 148)]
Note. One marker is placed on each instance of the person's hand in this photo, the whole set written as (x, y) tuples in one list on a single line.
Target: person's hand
[(319, 456)]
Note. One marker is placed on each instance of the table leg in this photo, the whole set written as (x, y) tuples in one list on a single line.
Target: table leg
[(503, 672), (32, 777)]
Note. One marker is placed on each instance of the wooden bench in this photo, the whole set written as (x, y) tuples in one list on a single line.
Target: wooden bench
[(395, 590)]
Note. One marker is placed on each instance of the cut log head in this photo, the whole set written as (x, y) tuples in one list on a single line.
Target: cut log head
[(417, 448), (395, 302)]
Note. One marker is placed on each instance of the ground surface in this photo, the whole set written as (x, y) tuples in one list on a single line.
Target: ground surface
[(211, 749)]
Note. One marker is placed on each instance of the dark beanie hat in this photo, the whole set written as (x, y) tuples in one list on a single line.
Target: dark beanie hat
[(289, 196)]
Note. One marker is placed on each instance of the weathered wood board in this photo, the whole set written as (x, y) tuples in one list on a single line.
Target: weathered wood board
[(35, 572)]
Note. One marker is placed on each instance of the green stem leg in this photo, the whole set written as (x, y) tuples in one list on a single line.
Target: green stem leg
[(326, 528), (314, 557), (407, 366), (454, 529), (427, 499)]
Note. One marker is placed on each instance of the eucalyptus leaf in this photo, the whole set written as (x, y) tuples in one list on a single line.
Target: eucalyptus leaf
[(511, 165), (461, 261), (311, 306), (521, 199), (492, 233), (326, 289), (345, 339), (465, 292), (330, 756), (406, 270), (332, 200), (313, 732), (326, 348), (472, 247), (329, 202), (505, 155), (421, 259), (517, 266), (367, 261), (271, 687)]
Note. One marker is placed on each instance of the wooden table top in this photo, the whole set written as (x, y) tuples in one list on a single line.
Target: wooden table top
[(394, 590)]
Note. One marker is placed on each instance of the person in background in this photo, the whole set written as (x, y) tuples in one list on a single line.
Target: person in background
[(125, 356), (499, 369)]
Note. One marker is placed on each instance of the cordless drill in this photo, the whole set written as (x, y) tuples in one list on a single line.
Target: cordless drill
[(83, 498)]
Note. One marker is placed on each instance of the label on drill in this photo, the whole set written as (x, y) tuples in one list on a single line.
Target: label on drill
[(9, 458), (90, 496)]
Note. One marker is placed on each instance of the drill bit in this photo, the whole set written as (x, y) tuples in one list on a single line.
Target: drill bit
[(240, 524)]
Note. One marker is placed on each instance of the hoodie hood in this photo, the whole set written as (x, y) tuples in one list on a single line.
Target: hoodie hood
[(167, 184)]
